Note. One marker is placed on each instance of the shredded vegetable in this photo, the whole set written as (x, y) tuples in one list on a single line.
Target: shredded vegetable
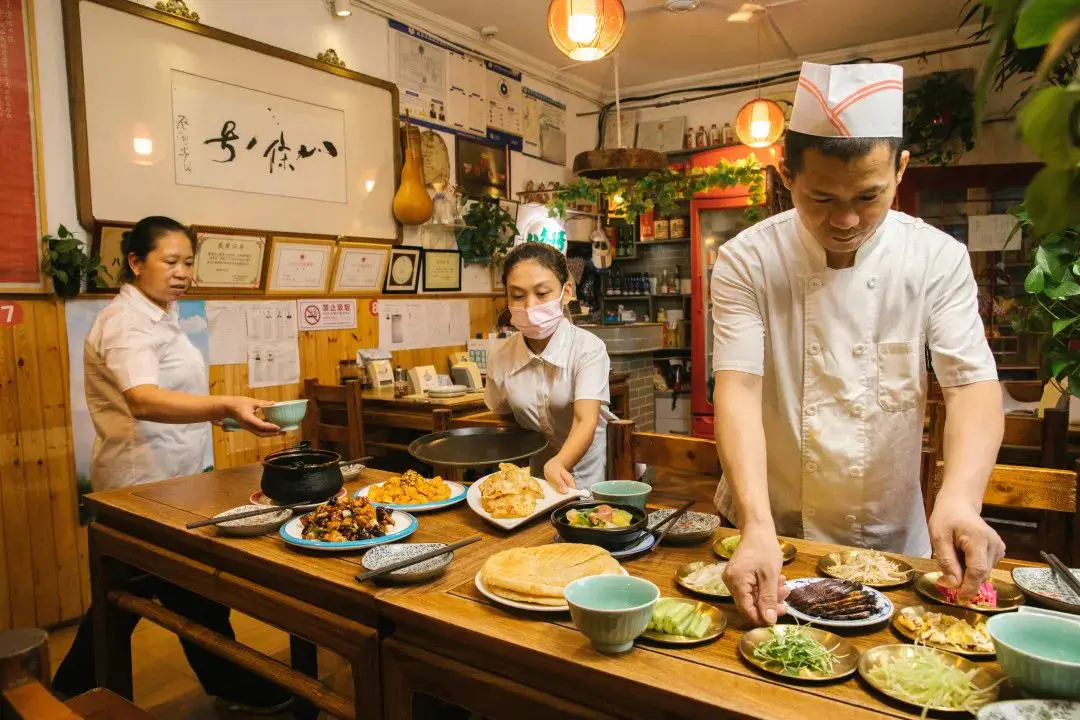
[(868, 567), (796, 652), (926, 679), (708, 579)]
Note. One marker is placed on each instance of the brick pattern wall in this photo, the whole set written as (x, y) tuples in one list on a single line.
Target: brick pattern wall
[(640, 369)]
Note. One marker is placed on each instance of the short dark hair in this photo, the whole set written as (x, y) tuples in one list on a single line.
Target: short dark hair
[(143, 238), (842, 148), (546, 255)]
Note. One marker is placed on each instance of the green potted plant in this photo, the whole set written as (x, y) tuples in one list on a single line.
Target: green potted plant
[(489, 234), (67, 263), (939, 118)]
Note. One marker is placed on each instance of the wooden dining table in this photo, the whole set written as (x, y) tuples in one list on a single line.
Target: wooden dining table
[(414, 648)]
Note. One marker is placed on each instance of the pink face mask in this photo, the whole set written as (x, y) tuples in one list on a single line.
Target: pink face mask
[(539, 321)]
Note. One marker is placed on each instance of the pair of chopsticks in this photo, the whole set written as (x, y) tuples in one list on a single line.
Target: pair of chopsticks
[(1062, 571), (385, 569), (250, 513), (670, 522)]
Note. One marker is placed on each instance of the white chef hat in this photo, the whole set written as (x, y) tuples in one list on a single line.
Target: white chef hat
[(860, 100)]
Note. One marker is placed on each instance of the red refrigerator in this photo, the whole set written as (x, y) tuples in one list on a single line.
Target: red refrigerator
[(713, 220)]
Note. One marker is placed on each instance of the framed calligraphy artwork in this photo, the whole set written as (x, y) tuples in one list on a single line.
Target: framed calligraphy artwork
[(228, 261), (359, 269), (225, 131), (108, 244), (299, 266), (442, 271)]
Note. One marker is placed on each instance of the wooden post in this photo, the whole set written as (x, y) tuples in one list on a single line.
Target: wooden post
[(354, 411), (309, 426), (620, 441), (304, 657), (112, 643)]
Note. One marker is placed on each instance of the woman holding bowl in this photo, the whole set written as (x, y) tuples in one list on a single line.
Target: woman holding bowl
[(146, 393)]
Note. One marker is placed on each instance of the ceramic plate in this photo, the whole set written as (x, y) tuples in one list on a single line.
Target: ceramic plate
[(847, 657), (404, 526), (787, 550), (1043, 586), (689, 569), (257, 498), (917, 611), (646, 541), (983, 678), (532, 607), (1030, 710), (252, 526), (457, 495), (716, 629), (882, 612), (827, 565), (551, 500), (384, 555), (1008, 595), (692, 527)]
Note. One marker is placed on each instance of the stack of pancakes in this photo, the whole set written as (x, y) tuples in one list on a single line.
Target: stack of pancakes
[(539, 575), (510, 493)]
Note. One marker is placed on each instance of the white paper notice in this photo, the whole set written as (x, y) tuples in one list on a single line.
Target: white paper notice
[(271, 320), (459, 322), (273, 363), (988, 233), (227, 329)]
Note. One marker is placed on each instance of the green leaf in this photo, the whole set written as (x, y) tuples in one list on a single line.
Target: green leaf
[(60, 275), (1064, 39), (1039, 19), (1045, 122), (1065, 289), (1052, 201), (1035, 281), (1003, 16), (1058, 325)]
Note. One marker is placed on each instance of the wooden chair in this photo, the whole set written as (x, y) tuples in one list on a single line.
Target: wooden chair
[(24, 681), (1048, 490), (335, 417), (694, 465)]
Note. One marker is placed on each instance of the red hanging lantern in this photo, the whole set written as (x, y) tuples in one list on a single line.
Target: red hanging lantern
[(586, 30), (760, 123)]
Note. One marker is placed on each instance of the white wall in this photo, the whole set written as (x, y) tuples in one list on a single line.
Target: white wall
[(998, 144), (302, 26)]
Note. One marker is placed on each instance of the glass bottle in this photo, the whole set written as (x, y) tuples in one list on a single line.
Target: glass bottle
[(677, 289)]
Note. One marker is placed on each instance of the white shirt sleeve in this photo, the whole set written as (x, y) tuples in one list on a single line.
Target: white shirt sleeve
[(738, 328), (495, 396), (591, 369), (958, 347), (129, 349)]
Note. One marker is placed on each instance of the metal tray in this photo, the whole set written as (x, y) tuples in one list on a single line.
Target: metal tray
[(477, 447)]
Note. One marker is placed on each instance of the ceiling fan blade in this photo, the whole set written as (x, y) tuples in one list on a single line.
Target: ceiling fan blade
[(645, 12)]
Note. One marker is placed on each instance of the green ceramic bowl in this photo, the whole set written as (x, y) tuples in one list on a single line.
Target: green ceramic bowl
[(1039, 653), (286, 414), (611, 610), (624, 492)]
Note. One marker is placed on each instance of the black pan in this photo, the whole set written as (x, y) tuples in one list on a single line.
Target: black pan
[(477, 447)]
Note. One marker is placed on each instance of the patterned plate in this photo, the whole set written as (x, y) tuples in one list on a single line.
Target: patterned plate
[(883, 608), (383, 555), (692, 527), (1030, 710), (1043, 586), (258, 498), (404, 526)]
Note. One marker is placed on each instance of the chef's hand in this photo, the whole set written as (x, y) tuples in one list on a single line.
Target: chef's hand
[(754, 579), (558, 476), (967, 549), (242, 410)]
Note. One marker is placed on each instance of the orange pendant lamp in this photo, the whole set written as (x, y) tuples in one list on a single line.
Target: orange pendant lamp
[(760, 123), (586, 30)]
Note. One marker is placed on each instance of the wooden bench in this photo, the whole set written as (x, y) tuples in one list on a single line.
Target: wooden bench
[(335, 418)]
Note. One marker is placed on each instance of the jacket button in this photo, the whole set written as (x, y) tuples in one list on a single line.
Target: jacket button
[(859, 350), (871, 283), (815, 283), (857, 409), (811, 410), (811, 466), (814, 348)]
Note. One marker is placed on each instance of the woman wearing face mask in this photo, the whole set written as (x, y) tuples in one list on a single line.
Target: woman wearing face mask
[(553, 376), (146, 393)]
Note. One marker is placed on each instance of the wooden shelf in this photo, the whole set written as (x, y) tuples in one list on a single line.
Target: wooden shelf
[(669, 241), (671, 295)]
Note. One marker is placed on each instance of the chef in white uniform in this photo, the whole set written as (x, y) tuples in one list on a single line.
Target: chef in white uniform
[(552, 376), (820, 317)]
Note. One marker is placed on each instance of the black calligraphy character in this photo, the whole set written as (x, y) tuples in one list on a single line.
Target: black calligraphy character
[(330, 148), (228, 136), (305, 152), (272, 150), (181, 122), (251, 143)]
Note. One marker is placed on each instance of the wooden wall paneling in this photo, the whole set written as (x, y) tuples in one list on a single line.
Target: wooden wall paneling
[(59, 458), (35, 473)]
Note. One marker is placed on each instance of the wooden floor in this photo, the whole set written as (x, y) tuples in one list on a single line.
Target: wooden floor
[(165, 685)]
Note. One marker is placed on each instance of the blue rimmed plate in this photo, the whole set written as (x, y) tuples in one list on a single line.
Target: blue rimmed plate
[(404, 526), (457, 495)]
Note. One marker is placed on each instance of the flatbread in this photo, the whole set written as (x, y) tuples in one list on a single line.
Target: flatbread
[(512, 492), (531, 599), (545, 571)]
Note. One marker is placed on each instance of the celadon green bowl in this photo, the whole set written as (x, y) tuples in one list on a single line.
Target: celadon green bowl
[(287, 414), (611, 610), (1039, 653), (625, 492)]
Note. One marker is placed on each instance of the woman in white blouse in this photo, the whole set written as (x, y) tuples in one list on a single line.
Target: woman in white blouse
[(552, 376), (146, 393)]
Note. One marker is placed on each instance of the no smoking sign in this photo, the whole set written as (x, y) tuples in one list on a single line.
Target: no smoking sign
[(326, 314)]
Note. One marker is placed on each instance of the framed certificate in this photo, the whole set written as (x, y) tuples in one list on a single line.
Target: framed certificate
[(442, 271), (403, 273), (228, 261), (108, 245), (360, 269), (299, 266)]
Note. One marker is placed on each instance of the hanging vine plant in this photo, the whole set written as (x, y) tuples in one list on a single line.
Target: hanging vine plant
[(939, 118), (663, 190)]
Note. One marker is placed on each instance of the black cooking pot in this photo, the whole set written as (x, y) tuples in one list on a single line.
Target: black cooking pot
[(301, 474)]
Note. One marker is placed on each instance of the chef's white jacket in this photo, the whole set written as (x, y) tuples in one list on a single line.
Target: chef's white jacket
[(844, 378), (540, 391), (134, 342)]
